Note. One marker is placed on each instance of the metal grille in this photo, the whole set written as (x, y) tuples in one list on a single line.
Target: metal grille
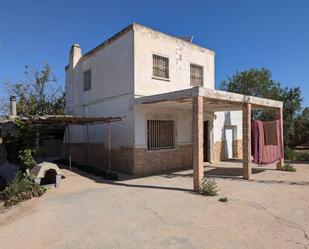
[(160, 134), (160, 66), (196, 75), (87, 80)]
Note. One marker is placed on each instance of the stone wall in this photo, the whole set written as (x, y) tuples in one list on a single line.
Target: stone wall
[(219, 150), (159, 161), (97, 155), (237, 149), (136, 161)]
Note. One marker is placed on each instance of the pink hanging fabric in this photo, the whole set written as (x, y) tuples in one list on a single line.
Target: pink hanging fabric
[(265, 153)]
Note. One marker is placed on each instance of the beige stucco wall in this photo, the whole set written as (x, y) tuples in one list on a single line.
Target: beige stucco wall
[(180, 53)]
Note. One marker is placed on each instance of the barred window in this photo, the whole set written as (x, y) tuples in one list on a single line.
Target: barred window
[(160, 66), (160, 134), (196, 75), (87, 80)]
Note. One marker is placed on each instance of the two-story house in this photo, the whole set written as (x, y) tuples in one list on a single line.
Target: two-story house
[(152, 78)]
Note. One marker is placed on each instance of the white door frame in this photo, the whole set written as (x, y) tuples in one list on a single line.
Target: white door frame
[(234, 137)]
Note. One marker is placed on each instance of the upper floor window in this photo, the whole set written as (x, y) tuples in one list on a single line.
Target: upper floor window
[(196, 75), (160, 66), (87, 80)]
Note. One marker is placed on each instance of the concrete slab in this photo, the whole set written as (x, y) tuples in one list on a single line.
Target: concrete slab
[(271, 211)]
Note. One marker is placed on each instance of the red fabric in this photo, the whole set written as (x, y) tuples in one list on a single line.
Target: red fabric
[(265, 154)]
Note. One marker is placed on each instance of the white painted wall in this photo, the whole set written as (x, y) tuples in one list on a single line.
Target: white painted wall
[(111, 73), (233, 118), (180, 53), (182, 118), (110, 94), (121, 71)]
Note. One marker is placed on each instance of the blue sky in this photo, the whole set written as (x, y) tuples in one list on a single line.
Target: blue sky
[(244, 34)]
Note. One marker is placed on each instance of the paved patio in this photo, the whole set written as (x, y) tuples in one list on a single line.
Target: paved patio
[(271, 211)]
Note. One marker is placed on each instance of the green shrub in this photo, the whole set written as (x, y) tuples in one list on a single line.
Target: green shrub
[(302, 156), (22, 187), (288, 167), (26, 160), (22, 137), (289, 153), (208, 187)]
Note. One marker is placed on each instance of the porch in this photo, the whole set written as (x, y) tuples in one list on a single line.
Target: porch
[(202, 100)]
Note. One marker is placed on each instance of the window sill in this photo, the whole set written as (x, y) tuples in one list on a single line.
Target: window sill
[(196, 85), (159, 78), (161, 150)]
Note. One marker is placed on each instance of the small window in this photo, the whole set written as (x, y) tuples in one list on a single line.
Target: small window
[(160, 66), (87, 80), (160, 134), (196, 75)]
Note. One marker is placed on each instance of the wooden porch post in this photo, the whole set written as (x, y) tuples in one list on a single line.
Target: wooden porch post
[(246, 141), (197, 141), (279, 115)]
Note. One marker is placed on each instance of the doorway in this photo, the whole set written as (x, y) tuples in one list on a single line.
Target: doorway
[(229, 137), (205, 143)]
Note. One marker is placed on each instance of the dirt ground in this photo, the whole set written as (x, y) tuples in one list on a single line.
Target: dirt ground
[(271, 211)]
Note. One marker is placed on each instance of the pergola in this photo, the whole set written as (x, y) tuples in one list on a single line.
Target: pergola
[(204, 99), (67, 120)]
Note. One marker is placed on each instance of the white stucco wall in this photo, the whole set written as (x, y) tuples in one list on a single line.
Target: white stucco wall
[(180, 53), (110, 94), (122, 70), (111, 73), (222, 119), (182, 118), (122, 132)]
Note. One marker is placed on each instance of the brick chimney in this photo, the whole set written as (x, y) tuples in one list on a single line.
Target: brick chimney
[(75, 54)]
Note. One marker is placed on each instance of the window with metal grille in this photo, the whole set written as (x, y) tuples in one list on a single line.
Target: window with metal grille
[(196, 75), (160, 134), (87, 80), (160, 66)]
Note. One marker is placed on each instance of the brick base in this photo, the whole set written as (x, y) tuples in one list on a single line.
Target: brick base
[(219, 150), (136, 161)]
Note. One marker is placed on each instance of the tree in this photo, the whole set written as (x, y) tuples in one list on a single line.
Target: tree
[(259, 83), (38, 94), (302, 127)]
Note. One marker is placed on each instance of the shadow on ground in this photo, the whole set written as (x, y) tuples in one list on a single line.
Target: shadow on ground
[(230, 172)]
